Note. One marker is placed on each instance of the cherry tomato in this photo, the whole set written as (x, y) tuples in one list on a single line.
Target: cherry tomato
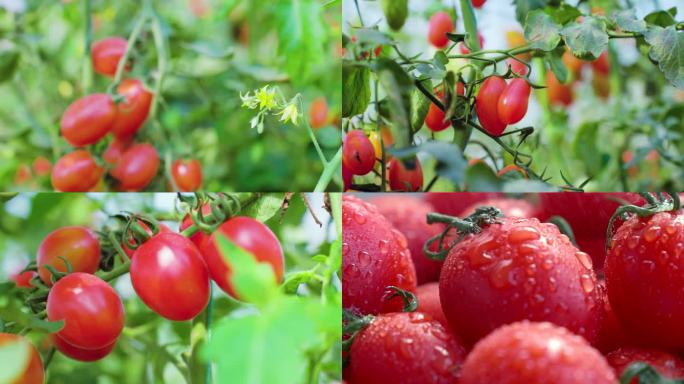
[(434, 119), (402, 178), (510, 207), (78, 245), (347, 177), (559, 94), (517, 67), (374, 256), (107, 53), (75, 172), (199, 237), (23, 174), (428, 302), (132, 112), (41, 166), (602, 64), (253, 237), (81, 354), (527, 352), (486, 105), (169, 275), (88, 119), (358, 153), (137, 167), (318, 113), (130, 241), (666, 364), (465, 50), (33, 373), (187, 174), (512, 105), (478, 3), (613, 335), (92, 311), (116, 148), (453, 204), (23, 279), (440, 24)]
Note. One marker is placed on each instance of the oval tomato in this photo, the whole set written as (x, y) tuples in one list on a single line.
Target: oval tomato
[(132, 112), (486, 105), (107, 53), (33, 373), (75, 172), (512, 105), (434, 119), (137, 167), (169, 275), (440, 24), (88, 119), (78, 245), (401, 178), (187, 174), (318, 113), (92, 311), (358, 153), (250, 235), (81, 354)]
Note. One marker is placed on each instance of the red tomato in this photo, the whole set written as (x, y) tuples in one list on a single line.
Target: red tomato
[(187, 174), (75, 172), (81, 354), (318, 113), (107, 53), (428, 302), (386, 351), (440, 24), (434, 119), (88, 119), (253, 237), (169, 275), (512, 105), (41, 166), (126, 247), (132, 112), (409, 216), (374, 255), (573, 64), (79, 245), (517, 67), (601, 86), (92, 311), (358, 154), (347, 177), (401, 178), (33, 373), (116, 148), (509, 207), (667, 365), (529, 269), (453, 204), (644, 279), (602, 64), (23, 174), (23, 279), (478, 3), (137, 167), (465, 50), (527, 352), (559, 94), (486, 105), (199, 237)]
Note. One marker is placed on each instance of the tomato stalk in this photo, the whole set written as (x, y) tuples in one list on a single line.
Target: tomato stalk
[(87, 70)]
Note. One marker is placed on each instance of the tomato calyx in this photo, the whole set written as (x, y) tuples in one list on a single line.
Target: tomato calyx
[(409, 298), (137, 230)]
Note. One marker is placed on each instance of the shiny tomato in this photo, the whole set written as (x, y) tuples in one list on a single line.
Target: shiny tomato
[(403, 178), (559, 93), (137, 167), (126, 247), (169, 275), (81, 354), (435, 118), (512, 105), (250, 235), (75, 172), (88, 119), (107, 53), (33, 373), (318, 113), (440, 24), (199, 237), (116, 148), (478, 3), (667, 365), (517, 67), (92, 311), (187, 174), (509, 206), (358, 153), (41, 166), (78, 245), (428, 302), (23, 279), (486, 105), (132, 112)]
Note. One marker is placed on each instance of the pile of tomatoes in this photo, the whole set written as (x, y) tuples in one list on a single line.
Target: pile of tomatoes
[(512, 299), (170, 271)]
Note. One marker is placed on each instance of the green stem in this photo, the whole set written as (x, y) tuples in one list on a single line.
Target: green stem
[(470, 24), (331, 168), (87, 70), (137, 29)]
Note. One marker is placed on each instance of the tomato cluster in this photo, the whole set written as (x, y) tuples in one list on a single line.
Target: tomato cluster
[(515, 300), (499, 104)]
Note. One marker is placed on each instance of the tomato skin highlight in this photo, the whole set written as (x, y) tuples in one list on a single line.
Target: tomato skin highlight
[(252, 236), (512, 105), (133, 110), (358, 154), (80, 354), (130, 241), (434, 119), (107, 53), (318, 113), (79, 245), (666, 364), (187, 174), (527, 352), (137, 167), (440, 24), (486, 105), (92, 311), (33, 374), (88, 119), (170, 276)]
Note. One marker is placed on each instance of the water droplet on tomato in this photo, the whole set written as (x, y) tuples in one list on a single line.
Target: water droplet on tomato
[(547, 264), (476, 258), (648, 265), (360, 218), (670, 229), (406, 347), (530, 285), (552, 284), (651, 233), (521, 234), (587, 283), (632, 242), (531, 269), (363, 259), (527, 249), (399, 238), (384, 246), (498, 277), (584, 259)]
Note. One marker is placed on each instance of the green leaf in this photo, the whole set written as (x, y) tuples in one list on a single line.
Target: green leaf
[(524, 7), (397, 86), (15, 356), (335, 255), (541, 31), (585, 148), (667, 48), (563, 13), (628, 21), (559, 69), (419, 109), (396, 12), (450, 164), (480, 177), (265, 207), (588, 39), (356, 85), (9, 59), (662, 18)]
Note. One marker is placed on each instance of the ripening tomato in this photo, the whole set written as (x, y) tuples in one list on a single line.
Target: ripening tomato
[(80, 354), (405, 175), (667, 365), (250, 235), (116, 148), (107, 53), (199, 237), (440, 24), (358, 153), (465, 50), (126, 246), (75, 172), (41, 166), (602, 64), (23, 279), (435, 117), (486, 105), (92, 311), (478, 3), (78, 245), (187, 174), (509, 206), (318, 113), (137, 167), (559, 93), (132, 111), (169, 275), (512, 105), (33, 373), (88, 119)]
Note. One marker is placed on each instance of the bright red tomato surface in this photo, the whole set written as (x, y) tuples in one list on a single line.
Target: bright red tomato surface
[(107, 53), (440, 24), (250, 235), (613, 335), (602, 64), (667, 365), (318, 113), (187, 174), (512, 105), (88, 119), (116, 148), (81, 354), (402, 178), (510, 207), (428, 302), (137, 167), (23, 279), (199, 237), (478, 3), (486, 105), (75, 172), (41, 166), (169, 275), (527, 352), (92, 311), (78, 245), (453, 204), (434, 119), (133, 110), (358, 154), (559, 93), (33, 373)]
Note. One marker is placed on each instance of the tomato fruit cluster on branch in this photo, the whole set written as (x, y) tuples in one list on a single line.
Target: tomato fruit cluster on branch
[(494, 296)]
